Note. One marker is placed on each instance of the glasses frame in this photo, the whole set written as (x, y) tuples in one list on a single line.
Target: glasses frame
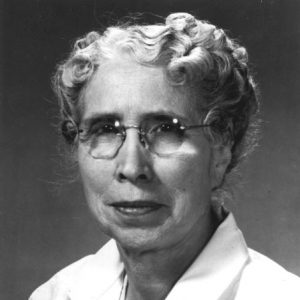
[(142, 136)]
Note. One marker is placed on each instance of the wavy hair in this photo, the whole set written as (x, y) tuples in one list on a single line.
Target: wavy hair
[(194, 53)]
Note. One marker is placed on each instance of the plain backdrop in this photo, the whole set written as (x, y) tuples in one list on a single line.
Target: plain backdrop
[(45, 222)]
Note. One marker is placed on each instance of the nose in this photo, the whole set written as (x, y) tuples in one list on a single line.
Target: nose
[(133, 161)]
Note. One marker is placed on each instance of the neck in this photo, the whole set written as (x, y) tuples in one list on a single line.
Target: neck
[(152, 273)]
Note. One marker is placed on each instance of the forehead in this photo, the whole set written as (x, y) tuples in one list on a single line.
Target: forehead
[(131, 91)]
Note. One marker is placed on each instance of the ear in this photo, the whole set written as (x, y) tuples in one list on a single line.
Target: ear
[(221, 158)]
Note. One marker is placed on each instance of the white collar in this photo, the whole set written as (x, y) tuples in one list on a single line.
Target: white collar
[(216, 271), (213, 275)]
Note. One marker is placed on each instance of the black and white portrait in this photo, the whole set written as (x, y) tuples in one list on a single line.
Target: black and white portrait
[(150, 150)]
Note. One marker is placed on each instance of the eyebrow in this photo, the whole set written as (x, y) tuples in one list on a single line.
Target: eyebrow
[(97, 117), (156, 115)]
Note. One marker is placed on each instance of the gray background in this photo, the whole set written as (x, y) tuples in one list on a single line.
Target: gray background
[(45, 223)]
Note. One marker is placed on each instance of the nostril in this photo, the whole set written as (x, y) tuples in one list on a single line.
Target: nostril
[(142, 177), (122, 177)]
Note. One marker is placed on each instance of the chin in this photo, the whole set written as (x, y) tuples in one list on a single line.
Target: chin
[(137, 239)]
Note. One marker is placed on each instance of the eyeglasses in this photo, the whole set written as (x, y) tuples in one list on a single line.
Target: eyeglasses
[(162, 137)]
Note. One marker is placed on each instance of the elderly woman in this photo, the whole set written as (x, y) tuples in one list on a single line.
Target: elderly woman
[(157, 117)]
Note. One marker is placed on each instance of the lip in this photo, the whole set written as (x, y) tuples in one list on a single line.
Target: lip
[(136, 207)]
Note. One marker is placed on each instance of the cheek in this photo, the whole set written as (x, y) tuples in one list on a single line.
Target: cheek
[(184, 172), (96, 177), (188, 184)]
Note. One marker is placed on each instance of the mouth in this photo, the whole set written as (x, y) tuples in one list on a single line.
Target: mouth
[(136, 208)]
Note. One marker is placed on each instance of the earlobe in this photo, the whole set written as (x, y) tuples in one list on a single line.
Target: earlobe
[(221, 157)]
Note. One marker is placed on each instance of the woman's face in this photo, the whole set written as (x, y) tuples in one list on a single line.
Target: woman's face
[(143, 200)]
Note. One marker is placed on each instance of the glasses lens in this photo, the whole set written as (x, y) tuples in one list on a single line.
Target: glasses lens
[(105, 141), (163, 137), (166, 137)]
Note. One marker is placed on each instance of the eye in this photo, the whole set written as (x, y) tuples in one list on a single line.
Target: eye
[(103, 129), (168, 127)]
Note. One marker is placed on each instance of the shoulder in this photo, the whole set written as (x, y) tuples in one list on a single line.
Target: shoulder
[(263, 278), (60, 284), (82, 277)]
